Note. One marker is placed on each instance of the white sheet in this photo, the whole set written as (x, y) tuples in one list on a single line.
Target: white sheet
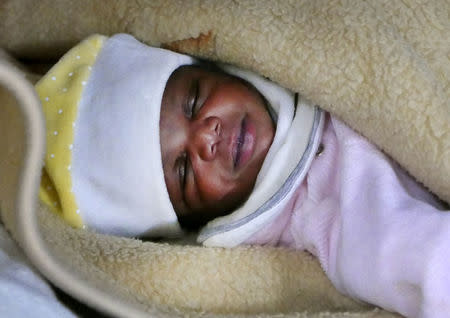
[(23, 292)]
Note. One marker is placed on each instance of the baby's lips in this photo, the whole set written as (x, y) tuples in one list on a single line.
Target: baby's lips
[(233, 144), (248, 142)]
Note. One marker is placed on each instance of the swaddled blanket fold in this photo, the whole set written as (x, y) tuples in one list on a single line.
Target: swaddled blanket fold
[(382, 67)]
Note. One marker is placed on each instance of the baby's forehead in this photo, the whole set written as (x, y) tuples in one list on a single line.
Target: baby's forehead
[(205, 71)]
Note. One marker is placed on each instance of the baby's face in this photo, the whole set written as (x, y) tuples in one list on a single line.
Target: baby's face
[(215, 132)]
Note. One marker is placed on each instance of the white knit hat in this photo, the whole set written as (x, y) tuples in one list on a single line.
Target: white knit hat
[(116, 180)]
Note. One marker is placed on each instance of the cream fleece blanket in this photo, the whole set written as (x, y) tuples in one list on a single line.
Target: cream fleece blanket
[(381, 66)]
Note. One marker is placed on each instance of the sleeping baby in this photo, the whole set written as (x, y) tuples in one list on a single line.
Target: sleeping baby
[(145, 142)]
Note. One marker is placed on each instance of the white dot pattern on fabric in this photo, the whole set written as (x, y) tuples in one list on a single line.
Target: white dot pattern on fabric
[(61, 91)]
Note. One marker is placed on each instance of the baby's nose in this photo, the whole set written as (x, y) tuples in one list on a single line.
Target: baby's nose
[(208, 137)]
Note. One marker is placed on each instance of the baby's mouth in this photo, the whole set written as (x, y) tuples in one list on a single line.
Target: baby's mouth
[(244, 143)]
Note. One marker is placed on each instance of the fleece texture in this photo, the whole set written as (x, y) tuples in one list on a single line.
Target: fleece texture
[(382, 67), (387, 59)]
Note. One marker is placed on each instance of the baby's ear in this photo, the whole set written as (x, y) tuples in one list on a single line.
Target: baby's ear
[(202, 45)]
